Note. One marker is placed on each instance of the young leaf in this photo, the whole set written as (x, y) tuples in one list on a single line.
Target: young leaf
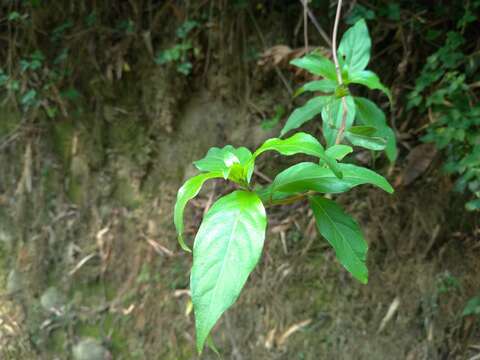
[(332, 116), (363, 130), (226, 249), (305, 113), (369, 79), (317, 65), (338, 151), (365, 141), (188, 191), (309, 176), (344, 234), (299, 143), (223, 159), (355, 46), (371, 115), (324, 86)]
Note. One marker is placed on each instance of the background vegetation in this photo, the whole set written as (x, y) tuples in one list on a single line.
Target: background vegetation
[(99, 98)]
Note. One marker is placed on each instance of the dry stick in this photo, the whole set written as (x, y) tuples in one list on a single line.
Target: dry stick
[(315, 23), (338, 71), (264, 43), (305, 25)]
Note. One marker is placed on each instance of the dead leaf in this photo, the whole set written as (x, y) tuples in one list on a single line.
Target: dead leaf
[(418, 161)]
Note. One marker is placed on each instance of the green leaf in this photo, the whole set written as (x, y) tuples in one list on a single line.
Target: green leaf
[(371, 115), (317, 65), (369, 79), (305, 113), (344, 234), (222, 160), (227, 248), (339, 151), (324, 85), (29, 97), (473, 205), (355, 46), (188, 191), (472, 307), (300, 143), (366, 141), (308, 176), (363, 130), (332, 116)]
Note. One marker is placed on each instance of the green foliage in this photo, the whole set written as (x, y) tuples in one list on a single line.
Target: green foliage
[(178, 53), (354, 55), (444, 90), (231, 235), (230, 239), (39, 79), (472, 307)]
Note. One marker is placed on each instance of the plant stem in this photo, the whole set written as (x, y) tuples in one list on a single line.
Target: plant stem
[(315, 23), (338, 70), (291, 199)]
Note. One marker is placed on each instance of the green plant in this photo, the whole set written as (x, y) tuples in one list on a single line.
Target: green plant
[(446, 90), (472, 308), (178, 54), (230, 239)]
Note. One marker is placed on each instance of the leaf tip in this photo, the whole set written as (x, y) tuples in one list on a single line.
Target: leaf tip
[(182, 243)]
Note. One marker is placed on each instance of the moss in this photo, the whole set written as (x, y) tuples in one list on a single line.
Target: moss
[(62, 136), (126, 194), (57, 342), (10, 120)]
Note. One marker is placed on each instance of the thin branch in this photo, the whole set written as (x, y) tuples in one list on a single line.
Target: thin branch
[(315, 23), (338, 71), (291, 199), (305, 25), (264, 43)]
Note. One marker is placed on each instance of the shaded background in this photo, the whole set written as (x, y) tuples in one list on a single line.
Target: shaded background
[(105, 104)]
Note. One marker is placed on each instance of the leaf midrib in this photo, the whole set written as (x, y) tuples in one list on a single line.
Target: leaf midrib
[(214, 290)]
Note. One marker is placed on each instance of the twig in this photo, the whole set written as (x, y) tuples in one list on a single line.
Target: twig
[(264, 43), (338, 71), (305, 25), (291, 199), (315, 23)]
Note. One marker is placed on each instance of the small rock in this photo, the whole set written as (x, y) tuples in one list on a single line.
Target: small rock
[(52, 299), (14, 282), (90, 349)]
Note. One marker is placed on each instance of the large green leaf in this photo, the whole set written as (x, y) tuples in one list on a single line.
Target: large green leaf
[(223, 159), (305, 113), (369, 79), (344, 234), (300, 143), (324, 86), (308, 176), (226, 249), (354, 49), (332, 116), (317, 65), (371, 115), (188, 191)]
